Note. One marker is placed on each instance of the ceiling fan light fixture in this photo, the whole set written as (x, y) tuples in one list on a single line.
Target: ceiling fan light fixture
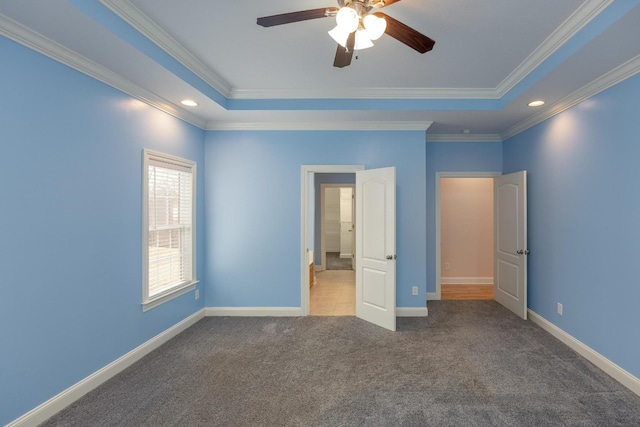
[(363, 41), (339, 35), (375, 26), (347, 19)]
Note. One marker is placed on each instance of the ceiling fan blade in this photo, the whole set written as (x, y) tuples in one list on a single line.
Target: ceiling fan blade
[(406, 34), (379, 4), (303, 15), (344, 54)]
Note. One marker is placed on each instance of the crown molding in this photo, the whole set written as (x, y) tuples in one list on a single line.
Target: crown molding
[(147, 27), (365, 93), (458, 137), (35, 41), (613, 77), (574, 23), (321, 125)]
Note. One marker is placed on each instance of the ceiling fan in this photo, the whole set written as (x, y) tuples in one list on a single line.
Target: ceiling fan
[(357, 27)]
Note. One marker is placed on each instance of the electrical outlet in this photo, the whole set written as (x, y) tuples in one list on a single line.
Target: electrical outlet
[(414, 291), (560, 309), (197, 293), (447, 266)]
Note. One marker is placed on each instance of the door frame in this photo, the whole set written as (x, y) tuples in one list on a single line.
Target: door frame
[(305, 236), (323, 252), (437, 295)]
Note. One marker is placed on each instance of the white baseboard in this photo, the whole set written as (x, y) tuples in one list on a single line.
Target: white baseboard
[(432, 296), (60, 401), (254, 311), (412, 312), (466, 280), (294, 311), (615, 371)]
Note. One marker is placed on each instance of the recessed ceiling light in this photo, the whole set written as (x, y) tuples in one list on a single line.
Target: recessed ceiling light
[(189, 102), (466, 131), (536, 103)]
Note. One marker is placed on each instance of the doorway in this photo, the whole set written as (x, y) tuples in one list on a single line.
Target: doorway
[(312, 178), (464, 235), (337, 224), (333, 291)]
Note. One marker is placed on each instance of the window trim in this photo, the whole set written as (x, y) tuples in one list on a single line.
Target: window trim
[(150, 302)]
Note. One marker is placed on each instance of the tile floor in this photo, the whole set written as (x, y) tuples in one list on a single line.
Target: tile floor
[(334, 293)]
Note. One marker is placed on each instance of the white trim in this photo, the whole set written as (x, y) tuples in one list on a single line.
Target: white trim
[(613, 77), (432, 296), (60, 401), (366, 93), (438, 293), (460, 137), (466, 281), (321, 125), (254, 311), (293, 311), (174, 293), (305, 237), (32, 40), (574, 23), (152, 31), (147, 27), (616, 372), (412, 312)]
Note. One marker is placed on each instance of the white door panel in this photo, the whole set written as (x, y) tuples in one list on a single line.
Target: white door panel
[(510, 282), (376, 246)]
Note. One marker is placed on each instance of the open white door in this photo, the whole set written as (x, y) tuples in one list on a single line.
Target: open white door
[(510, 268), (376, 246)]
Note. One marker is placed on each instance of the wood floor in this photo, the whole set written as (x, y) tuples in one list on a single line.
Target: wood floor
[(466, 292), (334, 293)]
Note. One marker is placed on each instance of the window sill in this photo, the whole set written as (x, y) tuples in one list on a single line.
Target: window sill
[(161, 299)]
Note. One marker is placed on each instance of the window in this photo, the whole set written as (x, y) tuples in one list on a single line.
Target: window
[(168, 248)]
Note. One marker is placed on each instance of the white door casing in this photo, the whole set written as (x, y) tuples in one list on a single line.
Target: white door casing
[(510, 269), (376, 246)]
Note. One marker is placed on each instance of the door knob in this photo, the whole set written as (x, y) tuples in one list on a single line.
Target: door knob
[(392, 256), (519, 251)]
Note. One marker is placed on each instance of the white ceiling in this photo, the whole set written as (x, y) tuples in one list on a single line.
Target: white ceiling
[(490, 59)]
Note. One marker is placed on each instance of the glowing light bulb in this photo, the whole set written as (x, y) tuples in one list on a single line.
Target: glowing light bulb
[(375, 26), (347, 19)]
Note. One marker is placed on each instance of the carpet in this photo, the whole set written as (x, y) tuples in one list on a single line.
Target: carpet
[(334, 262), (470, 363)]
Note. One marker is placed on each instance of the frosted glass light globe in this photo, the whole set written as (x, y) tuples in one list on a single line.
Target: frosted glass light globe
[(375, 26), (347, 19)]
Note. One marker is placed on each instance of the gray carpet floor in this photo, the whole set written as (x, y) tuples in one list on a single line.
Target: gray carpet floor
[(334, 262), (470, 363)]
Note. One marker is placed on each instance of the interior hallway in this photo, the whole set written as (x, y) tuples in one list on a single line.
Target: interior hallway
[(334, 293)]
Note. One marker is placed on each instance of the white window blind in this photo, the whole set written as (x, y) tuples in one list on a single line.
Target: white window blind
[(169, 225)]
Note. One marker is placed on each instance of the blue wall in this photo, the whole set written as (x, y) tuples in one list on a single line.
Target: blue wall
[(324, 178), (70, 251), (253, 209), (584, 220), (453, 157)]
